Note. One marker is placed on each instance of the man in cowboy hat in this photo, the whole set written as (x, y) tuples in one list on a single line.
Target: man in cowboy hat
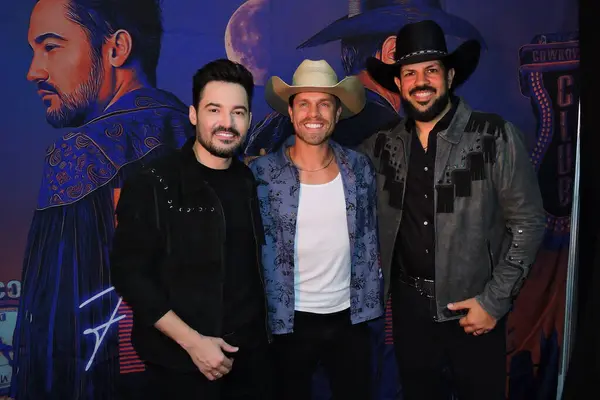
[(321, 258), (460, 220)]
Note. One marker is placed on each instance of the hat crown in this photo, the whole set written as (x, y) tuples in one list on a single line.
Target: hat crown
[(314, 73), (419, 38)]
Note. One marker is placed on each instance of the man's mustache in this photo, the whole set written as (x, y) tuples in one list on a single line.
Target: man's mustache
[(223, 129), (423, 87)]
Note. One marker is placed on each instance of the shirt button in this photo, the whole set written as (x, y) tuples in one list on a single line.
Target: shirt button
[(425, 223), (425, 196), (426, 251), (426, 169)]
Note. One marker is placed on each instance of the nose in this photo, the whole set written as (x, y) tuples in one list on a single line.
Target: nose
[(37, 70), (226, 120), (313, 111), (422, 78)]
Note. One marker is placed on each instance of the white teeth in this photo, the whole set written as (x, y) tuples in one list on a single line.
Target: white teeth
[(423, 94), (227, 135), (314, 126)]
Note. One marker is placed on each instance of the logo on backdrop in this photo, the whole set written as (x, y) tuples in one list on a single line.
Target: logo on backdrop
[(549, 77)]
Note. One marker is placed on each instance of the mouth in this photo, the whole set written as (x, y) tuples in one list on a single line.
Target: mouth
[(314, 125), (44, 94), (225, 135), (423, 95)]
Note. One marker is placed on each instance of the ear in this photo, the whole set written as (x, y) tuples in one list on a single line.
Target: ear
[(398, 83), (450, 76), (388, 50), (291, 113), (119, 48), (193, 115)]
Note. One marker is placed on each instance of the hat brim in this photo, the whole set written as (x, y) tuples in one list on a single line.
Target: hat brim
[(463, 60), (349, 90), (388, 20)]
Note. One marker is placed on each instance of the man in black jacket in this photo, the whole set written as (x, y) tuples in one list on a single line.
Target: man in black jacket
[(186, 254)]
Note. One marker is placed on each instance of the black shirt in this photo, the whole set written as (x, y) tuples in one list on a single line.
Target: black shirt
[(242, 280), (415, 243)]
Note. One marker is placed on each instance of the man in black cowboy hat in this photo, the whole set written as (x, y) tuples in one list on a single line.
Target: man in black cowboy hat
[(460, 220)]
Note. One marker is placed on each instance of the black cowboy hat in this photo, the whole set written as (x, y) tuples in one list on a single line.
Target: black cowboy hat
[(425, 41)]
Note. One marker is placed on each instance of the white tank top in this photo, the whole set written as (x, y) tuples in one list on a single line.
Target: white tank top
[(322, 249)]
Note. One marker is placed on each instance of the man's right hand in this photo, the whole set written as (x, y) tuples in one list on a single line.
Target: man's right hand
[(207, 354)]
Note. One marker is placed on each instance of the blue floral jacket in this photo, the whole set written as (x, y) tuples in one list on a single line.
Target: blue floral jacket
[(278, 194)]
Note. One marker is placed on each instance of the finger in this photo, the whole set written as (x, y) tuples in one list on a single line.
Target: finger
[(470, 329), (223, 370), (226, 346), (464, 321), (227, 363), (262, 152), (209, 375), (461, 305)]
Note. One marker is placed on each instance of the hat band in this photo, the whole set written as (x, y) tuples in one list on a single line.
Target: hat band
[(421, 53)]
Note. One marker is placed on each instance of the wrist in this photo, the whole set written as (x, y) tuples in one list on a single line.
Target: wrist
[(189, 339)]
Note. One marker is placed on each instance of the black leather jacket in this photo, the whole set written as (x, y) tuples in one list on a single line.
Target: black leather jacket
[(489, 220), (168, 254)]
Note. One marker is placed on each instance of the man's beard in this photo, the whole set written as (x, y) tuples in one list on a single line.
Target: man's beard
[(74, 107), (220, 152), (435, 109)]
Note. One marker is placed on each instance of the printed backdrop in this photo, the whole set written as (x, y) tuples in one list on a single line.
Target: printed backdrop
[(528, 74)]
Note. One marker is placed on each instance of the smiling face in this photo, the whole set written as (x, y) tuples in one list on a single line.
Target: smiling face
[(424, 89), (222, 118), (314, 116), (67, 71)]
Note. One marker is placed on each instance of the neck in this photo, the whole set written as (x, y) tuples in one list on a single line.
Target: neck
[(209, 160), (309, 156), (425, 127), (369, 83), (124, 81)]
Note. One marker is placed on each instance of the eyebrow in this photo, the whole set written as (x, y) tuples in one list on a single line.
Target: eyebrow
[(433, 65), (219, 106), (49, 35)]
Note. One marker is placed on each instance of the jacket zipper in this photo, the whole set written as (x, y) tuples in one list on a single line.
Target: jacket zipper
[(260, 273)]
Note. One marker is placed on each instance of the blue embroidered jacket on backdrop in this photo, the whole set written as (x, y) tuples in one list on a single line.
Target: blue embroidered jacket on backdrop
[(278, 194)]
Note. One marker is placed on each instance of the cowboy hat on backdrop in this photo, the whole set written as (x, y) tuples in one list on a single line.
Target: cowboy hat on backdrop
[(375, 17)]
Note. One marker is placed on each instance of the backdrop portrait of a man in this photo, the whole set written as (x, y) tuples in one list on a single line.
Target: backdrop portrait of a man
[(94, 67)]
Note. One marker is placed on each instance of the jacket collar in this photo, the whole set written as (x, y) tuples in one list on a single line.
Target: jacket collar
[(192, 173)]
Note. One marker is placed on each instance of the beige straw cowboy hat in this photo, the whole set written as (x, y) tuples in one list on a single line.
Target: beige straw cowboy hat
[(316, 76)]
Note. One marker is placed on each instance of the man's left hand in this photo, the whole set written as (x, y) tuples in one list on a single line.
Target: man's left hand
[(477, 321)]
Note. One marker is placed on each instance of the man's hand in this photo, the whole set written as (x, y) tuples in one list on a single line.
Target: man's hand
[(249, 159), (207, 354), (477, 321)]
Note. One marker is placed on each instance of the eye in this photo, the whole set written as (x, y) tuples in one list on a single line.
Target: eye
[(213, 110), (240, 113), (49, 47)]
